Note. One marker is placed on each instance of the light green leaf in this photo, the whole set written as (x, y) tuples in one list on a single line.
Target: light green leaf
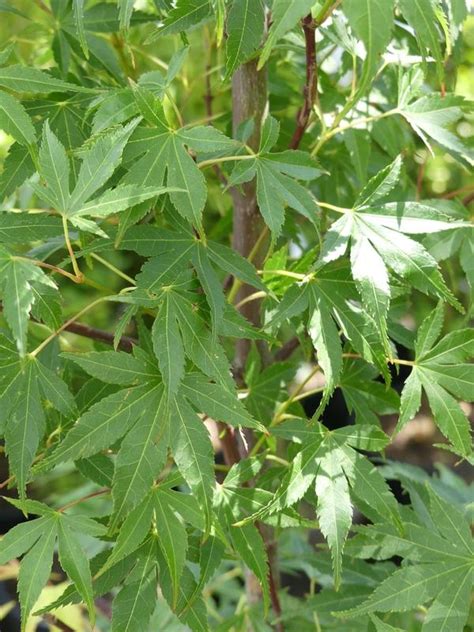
[(430, 117), (125, 13), (217, 402), (141, 457), (78, 10), (192, 452), (245, 23), (185, 175), (172, 540), (372, 22), (35, 569), (421, 15), (113, 367), (54, 166), (31, 80), (334, 508), (98, 164), (448, 415), (285, 15), (186, 15), (15, 121), (380, 185), (76, 565), (115, 200), (168, 345)]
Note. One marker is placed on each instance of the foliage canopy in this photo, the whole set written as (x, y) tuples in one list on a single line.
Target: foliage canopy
[(133, 147)]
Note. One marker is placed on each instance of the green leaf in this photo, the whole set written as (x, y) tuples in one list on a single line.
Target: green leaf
[(325, 337), (421, 15), (118, 199), (125, 13), (205, 138), (31, 80), (54, 166), (20, 539), (380, 185), (104, 423), (113, 367), (17, 167), (249, 544), (439, 369), (25, 427), (76, 565), (217, 402), (192, 452), (15, 121), (55, 390), (372, 22), (134, 604), (430, 117), (245, 23), (78, 10), (429, 331), (172, 540), (98, 164), (285, 16), (16, 275), (35, 569), (141, 457), (448, 415), (26, 227), (168, 345), (132, 533), (186, 15), (334, 509), (184, 174)]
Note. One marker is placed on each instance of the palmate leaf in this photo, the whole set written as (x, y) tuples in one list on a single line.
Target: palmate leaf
[(327, 297), (443, 372), (378, 244), (438, 568), (98, 164), (150, 422), (431, 117), (277, 176), (36, 541), (160, 155), (341, 476)]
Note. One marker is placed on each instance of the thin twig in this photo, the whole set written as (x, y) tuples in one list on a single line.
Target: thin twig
[(310, 90), (73, 503)]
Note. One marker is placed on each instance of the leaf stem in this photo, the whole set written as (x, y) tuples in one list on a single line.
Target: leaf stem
[(48, 266), (286, 273), (215, 161), (252, 297), (111, 267), (332, 207), (336, 128), (75, 266), (65, 325)]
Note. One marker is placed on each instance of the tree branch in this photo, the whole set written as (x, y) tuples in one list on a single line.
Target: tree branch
[(310, 91), (125, 343)]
